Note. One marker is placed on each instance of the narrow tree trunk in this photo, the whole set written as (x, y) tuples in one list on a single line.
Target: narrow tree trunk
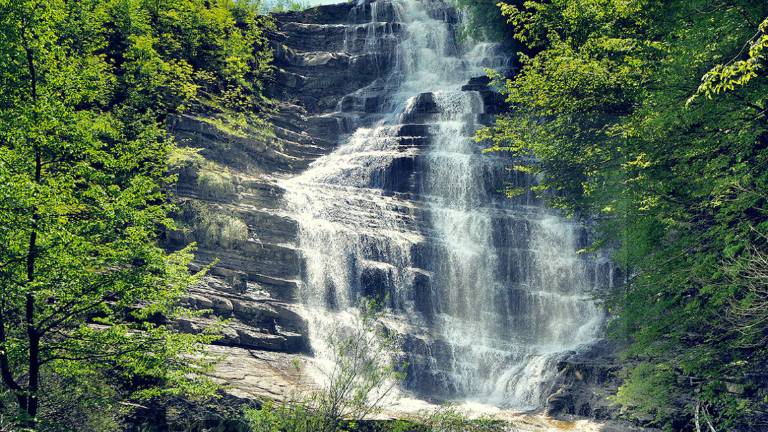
[(696, 416), (5, 366), (33, 335), (34, 379), (33, 364)]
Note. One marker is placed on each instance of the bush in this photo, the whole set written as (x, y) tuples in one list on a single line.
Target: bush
[(211, 227), (183, 158), (215, 182), (223, 230), (74, 402), (362, 376), (648, 390), (446, 419)]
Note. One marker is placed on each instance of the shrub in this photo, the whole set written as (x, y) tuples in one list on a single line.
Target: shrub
[(211, 227), (215, 182), (224, 230), (363, 374), (181, 158), (648, 390)]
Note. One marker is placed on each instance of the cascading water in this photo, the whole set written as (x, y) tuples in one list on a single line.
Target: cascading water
[(490, 291)]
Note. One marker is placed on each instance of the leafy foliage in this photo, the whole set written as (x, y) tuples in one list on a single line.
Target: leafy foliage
[(647, 392), (361, 375), (450, 419), (482, 20), (87, 295), (605, 107), (284, 5), (737, 73)]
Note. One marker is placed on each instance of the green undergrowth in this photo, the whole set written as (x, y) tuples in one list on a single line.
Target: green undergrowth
[(282, 417), (650, 118), (212, 227), (213, 181)]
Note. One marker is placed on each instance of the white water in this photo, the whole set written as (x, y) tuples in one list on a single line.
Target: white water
[(492, 289)]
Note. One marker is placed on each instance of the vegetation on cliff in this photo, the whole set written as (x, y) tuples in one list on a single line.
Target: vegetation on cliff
[(652, 118), (649, 117), (87, 295), (482, 20)]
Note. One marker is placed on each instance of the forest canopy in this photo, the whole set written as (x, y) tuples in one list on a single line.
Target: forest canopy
[(648, 119), (651, 118), (87, 294)]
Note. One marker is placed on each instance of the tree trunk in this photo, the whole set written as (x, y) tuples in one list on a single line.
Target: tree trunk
[(33, 365), (34, 380), (31, 403)]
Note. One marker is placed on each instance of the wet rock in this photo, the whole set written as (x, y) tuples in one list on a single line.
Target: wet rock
[(422, 287), (477, 84), (423, 378), (561, 401), (584, 382), (374, 282)]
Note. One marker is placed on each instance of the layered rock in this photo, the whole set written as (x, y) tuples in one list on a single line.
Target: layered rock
[(336, 71), (324, 86), (332, 76), (584, 383)]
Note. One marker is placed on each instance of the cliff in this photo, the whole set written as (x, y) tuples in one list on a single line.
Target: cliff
[(334, 74)]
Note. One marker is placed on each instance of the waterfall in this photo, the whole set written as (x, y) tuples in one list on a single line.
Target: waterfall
[(490, 292)]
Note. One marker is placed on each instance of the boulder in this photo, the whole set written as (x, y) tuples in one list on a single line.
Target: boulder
[(222, 306)]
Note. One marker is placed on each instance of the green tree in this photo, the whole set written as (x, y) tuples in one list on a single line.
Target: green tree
[(284, 5), (483, 20), (362, 374), (87, 293), (650, 117)]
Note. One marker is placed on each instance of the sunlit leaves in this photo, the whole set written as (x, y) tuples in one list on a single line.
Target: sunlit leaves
[(84, 160), (737, 73), (603, 112)]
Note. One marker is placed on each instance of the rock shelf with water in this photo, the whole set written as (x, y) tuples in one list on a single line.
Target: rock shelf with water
[(374, 186)]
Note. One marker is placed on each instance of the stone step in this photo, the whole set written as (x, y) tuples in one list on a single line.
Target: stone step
[(349, 38)]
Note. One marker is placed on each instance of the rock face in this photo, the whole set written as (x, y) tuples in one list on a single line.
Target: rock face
[(584, 382), (487, 292), (317, 87), (337, 70)]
